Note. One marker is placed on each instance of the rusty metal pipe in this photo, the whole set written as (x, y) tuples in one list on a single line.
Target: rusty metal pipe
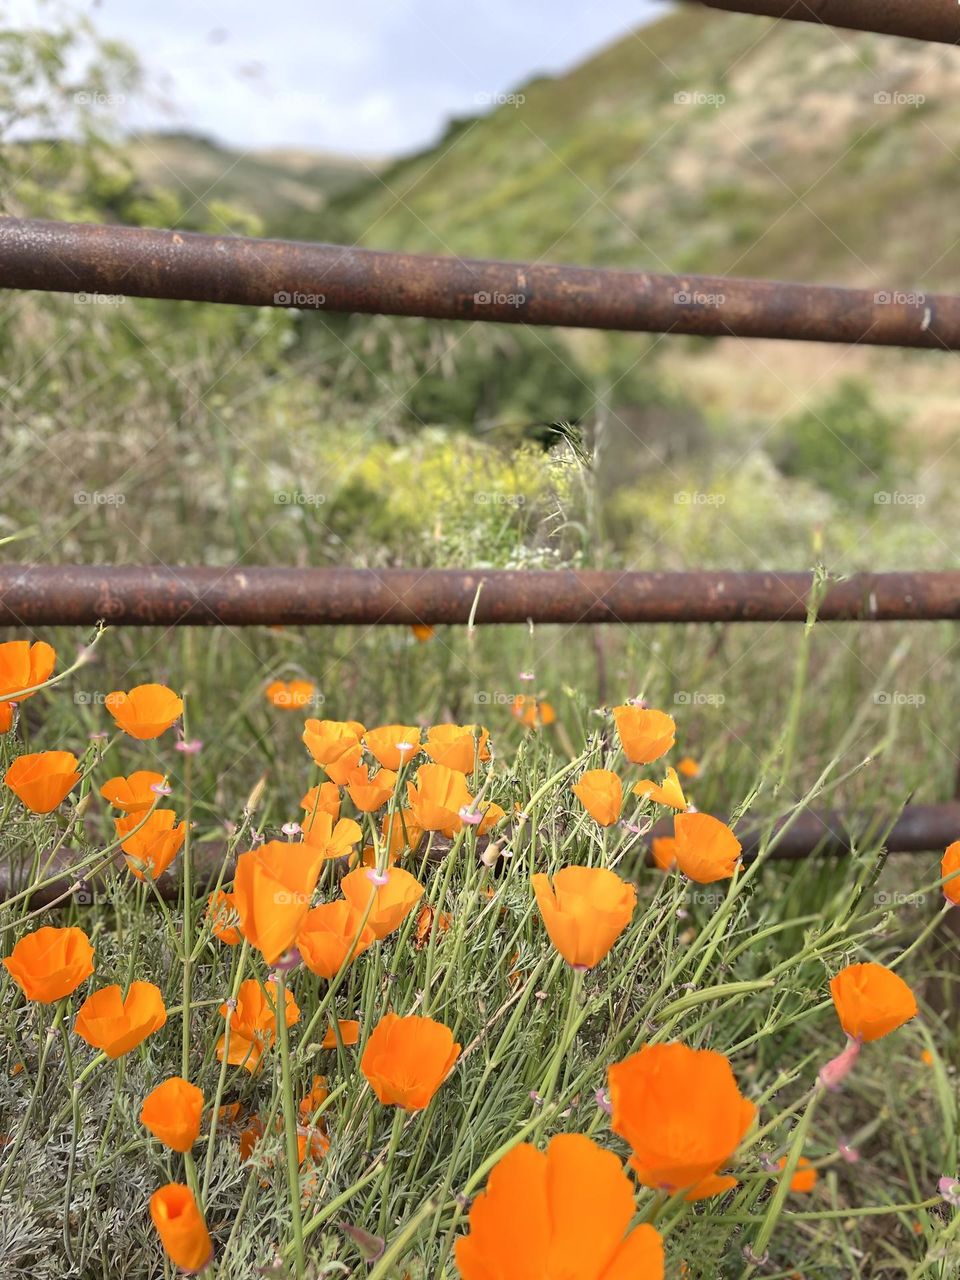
[(81, 595), (69, 257), (935, 20), (824, 833)]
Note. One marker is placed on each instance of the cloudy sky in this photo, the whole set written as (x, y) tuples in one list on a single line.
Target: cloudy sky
[(367, 76)]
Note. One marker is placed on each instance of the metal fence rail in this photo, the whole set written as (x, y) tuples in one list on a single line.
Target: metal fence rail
[(79, 595), (934, 20), (70, 257)]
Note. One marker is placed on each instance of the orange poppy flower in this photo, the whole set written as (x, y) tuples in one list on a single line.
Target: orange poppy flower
[(370, 792), (563, 1212), (601, 794), (706, 849), (493, 815), (323, 798), (115, 1023), (422, 632), (683, 1115), (330, 841), (334, 744), (645, 735), (950, 866), (664, 851), (425, 926), (134, 793), (688, 767), (407, 1060), (668, 792), (223, 918), (393, 745), (290, 695), (22, 665), (41, 781), (180, 1226), (272, 889), (392, 902), (315, 1098), (330, 934), (349, 1034), (400, 832), (146, 711), (871, 1001), (50, 963), (437, 798), (172, 1113), (532, 712), (151, 849), (805, 1176), (585, 910), (253, 1026), (456, 745)]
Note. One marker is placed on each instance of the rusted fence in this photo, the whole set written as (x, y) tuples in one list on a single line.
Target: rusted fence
[(138, 262)]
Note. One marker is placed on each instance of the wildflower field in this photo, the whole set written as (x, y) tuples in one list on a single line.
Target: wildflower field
[(420, 1005)]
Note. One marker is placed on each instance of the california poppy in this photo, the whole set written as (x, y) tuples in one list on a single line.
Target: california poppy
[(688, 767), (330, 934), (669, 792), (407, 1060), (664, 852), (601, 793), (400, 832), (323, 798), (331, 841), (22, 666), (562, 1212), (871, 1001), (223, 917), (272, 889), (172, 1113), (422, 632), (392, 902), (290, 695), (706, 849), (146, 711), (437, 798), (683, 1115), (253, 1024), (151, 849), (428, 924), (532, 712), (458, 746), (50, 963), (804, 1177), (585, 910), (950, 866), (316, 1097), (180, 1226), (134, 793), (370, 792), (349, 1034), (115, 1023), (41, 781), (393, 745), (334, 744), (644, 735)]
